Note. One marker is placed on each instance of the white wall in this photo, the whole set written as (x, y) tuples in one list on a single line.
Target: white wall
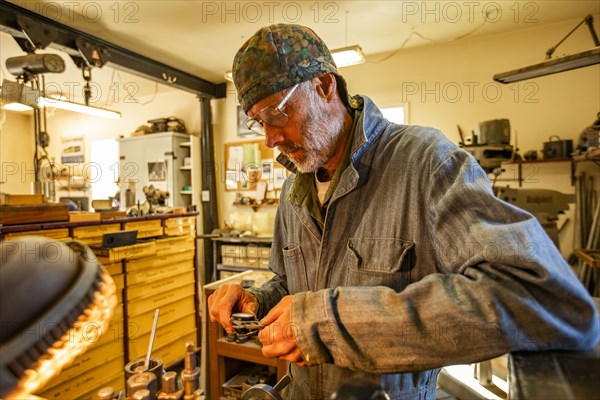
[(451, 84), (16, 152)]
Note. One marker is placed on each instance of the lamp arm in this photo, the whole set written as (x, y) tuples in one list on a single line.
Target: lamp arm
[(589, 20)]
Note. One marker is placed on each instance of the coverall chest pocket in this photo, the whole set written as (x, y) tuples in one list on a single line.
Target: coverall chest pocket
[(295, 269), (380, 262)]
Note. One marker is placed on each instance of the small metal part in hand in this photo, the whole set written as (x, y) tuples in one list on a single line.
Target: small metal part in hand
[(245, 324)]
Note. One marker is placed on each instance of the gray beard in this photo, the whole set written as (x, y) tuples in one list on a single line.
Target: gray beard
[(320, 139)]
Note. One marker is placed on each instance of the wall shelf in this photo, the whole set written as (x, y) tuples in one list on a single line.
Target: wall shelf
[(255, 207), (521, 163)]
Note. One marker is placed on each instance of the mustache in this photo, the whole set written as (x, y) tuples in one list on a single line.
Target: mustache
[(288, 148)]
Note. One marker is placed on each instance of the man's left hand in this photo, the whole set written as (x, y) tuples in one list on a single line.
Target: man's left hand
[(277, 337)]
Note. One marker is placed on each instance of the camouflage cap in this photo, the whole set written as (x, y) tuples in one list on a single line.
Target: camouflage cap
[(276, 58)]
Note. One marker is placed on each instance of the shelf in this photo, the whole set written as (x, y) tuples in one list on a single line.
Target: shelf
[(520, 163), (224, 267), (590, 155), (255, 207), (185, 144), (185, 168), (541, 161), (186, 192)]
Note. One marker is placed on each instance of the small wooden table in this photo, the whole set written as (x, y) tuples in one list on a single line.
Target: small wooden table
[(220, 352)]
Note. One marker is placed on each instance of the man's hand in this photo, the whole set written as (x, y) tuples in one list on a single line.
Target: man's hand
[(224, 299), (278, 335)]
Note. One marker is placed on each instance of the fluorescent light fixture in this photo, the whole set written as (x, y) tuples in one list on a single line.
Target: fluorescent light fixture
[(77, 107), (347, 56), (19, 97), (17, 107), (549, 67), (229, 76)]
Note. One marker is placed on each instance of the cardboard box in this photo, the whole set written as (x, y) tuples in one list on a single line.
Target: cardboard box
[(235, 251)]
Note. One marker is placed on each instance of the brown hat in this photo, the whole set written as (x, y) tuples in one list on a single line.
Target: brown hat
[(276, 58)]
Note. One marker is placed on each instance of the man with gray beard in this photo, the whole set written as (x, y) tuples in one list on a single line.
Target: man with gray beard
[(392, 256)]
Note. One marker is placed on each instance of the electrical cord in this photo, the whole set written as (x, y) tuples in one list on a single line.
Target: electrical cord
[(414, 32)]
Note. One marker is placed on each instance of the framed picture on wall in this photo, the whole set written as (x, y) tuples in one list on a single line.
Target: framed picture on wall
[(242, 127)]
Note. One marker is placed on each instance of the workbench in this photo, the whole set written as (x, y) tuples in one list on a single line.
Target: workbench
[(222, 358)]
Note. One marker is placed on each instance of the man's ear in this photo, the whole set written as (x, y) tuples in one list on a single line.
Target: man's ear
[(326, 86)]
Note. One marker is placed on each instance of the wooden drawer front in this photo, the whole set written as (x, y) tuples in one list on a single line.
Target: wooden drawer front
[(158, 300), (158, 261), (113, 334), (142, 324), (57, 234), (145, 276), (94, 357), (173, 244), (138, 225), (163, 285), (120, 284), (117, 383), (180, 231), (94, 231), (150, 232), (138, 250), (180, 221), (165, 334), (115, 268), (190, 245), (175, 350), (86, 382)]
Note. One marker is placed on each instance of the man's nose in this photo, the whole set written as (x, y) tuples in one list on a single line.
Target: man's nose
[(273, 136)]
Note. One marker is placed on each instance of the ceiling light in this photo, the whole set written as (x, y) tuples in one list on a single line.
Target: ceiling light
[(550, 67), (77, 107), (20, 97), (17, 107), (347, 56), (229, 76), (553, 66)]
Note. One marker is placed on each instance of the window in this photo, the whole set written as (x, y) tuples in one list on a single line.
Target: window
[(396, 114), (105, 159)]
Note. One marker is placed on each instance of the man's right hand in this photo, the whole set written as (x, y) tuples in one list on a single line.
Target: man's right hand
[(222, 302)]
